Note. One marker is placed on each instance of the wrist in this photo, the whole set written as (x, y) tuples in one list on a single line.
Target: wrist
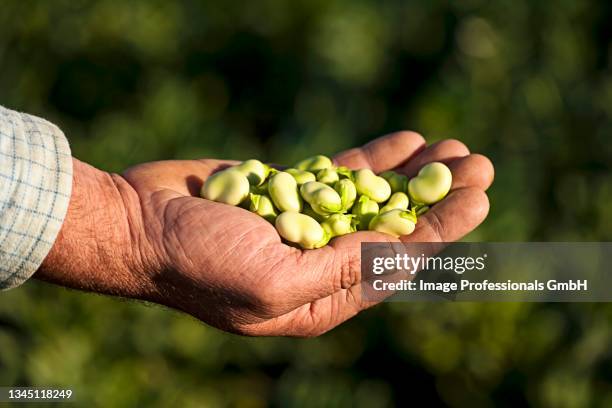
[(101, 246)]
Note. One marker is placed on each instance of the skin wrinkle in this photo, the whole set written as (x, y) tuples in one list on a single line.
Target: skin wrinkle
[(269, 298), (352, 265), (368, 157), (173, 226), (437, 226), (317, 272), (264, 248), (237, 243), (149, 227), (134, 223), (259, 300), (176, 222), (177, 207), (320, 320), (345, 278), (351, 299), (248, 305), (314, 315), (107, 243), (244, 234), (329, 267), (169, 234)]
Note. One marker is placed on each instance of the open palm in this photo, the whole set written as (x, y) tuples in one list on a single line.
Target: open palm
[(229, 268)]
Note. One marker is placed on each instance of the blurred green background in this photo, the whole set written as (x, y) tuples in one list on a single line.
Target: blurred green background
[(525, 82)]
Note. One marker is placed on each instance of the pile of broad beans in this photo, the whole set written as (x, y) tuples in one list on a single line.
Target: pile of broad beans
[(315, 201)]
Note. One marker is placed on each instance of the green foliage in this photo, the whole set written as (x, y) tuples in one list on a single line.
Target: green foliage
[(527, 83)]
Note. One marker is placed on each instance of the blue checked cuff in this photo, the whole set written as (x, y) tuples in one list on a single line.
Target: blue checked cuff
[(35, 187)]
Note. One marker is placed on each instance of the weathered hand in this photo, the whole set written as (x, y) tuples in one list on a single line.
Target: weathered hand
[(227, 266)]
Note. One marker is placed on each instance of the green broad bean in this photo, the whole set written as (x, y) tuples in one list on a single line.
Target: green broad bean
[(364, 209), (262, 205), (260, 189), (301, 176), (327, 176), (398, 182), (301, 229), (338, 224), (283, 191), (371, 185), (228, 186), (431, 184), (254, 170), (307, 209), (314, 163), (421, 209), (345, 172), (395, 222), (348, 193), (322, 198), (398, 201)]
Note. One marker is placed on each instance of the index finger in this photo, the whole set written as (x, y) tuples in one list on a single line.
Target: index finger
[(385, 153)]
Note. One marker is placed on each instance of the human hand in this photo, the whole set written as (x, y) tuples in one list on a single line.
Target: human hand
[(147, 235)]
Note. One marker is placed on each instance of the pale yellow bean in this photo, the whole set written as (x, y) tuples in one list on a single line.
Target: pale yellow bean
[(314, 164), (227, 186), (283, 191), (431, 185), (397, 201), (338, 224), (348, 193), (262, 205), (364, 209), (327, 176), (371, 185), (345, 172), (254, 170), (398, 182), (322, 198), (395, 222), (301, 176), (301, 229), (307, 209)]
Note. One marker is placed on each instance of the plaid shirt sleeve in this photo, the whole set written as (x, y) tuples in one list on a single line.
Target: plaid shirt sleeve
[(35, 187)]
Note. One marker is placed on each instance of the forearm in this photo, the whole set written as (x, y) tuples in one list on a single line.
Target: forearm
[(99, 247)]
